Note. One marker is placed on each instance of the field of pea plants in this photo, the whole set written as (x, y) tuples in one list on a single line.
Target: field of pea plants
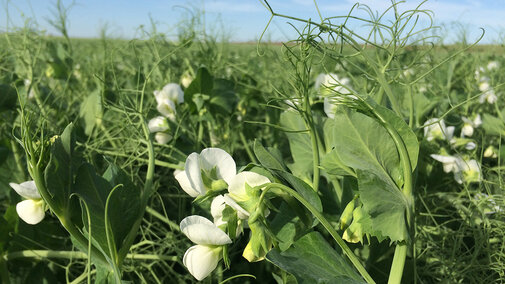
[(337, 157)]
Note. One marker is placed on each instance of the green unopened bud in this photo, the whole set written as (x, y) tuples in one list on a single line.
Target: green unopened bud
[(217, 185), (354, 233), (346, 217), (259, 244)]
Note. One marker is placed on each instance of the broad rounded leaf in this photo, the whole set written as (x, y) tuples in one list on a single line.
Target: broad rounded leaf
[(202, 231), (201, 260), (31, 211), (26, 189)]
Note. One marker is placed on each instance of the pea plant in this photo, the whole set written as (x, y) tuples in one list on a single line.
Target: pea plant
[(315, 162)]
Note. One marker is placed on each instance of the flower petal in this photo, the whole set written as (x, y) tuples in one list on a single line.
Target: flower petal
[(201, 260), (219, 158), (162, 138), (173, 92), (329, 108), (202, 231), (241, 212), (31, 211), (194, 174), (217, 206), (236, 186), (158, 124), (167, 108), (183, 180), (26, 189)]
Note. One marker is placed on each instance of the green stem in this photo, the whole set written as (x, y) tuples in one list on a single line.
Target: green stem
[(4, 272), (396, 273), (315, 158), (163, 219), (18, 159), (401, 248), (326, 224), (247, 148), (79, 255)]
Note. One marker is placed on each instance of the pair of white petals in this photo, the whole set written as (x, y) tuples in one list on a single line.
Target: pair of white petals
[(202, 258), (469, 125), (460, 168), (167, 98), (209, 159), (436, 129), (30, 210), (159, 125)]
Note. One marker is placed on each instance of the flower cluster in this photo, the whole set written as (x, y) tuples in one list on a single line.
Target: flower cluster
[(32, 209), (166, 99), (481, 75), (235, 203), (464, 169)]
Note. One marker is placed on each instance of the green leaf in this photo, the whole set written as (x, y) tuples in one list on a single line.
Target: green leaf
[(408, 136), (299, 143), (124, 205), (362, 143), (269, 159), (202, 84), (285, 226), (93, 190), (91, 111), (303, 189), (8, 97), (223, 95), (59, 173), (366, 146), (312, 260), (493, 125), (385, 204)]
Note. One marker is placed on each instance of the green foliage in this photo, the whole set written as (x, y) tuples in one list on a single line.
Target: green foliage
[(364, 145), (312, 260)]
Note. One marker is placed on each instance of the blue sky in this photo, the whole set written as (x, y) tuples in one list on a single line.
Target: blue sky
[(243, 20)]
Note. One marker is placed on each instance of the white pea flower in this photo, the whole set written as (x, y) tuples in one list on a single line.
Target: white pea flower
[(492, 65), (30, 210), (478, 74), (489, 96), (162, 137), (186, 80), (450, 163), (206, 171), (167, 108), (435, 129), (490, 152), (167, 98), (463, 170), (484, 86), (469, 171), (407, 72), (171, 91), (202, 258), (470, 145), (469, 125), (326, 80), (158, 124), (237, 185)]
